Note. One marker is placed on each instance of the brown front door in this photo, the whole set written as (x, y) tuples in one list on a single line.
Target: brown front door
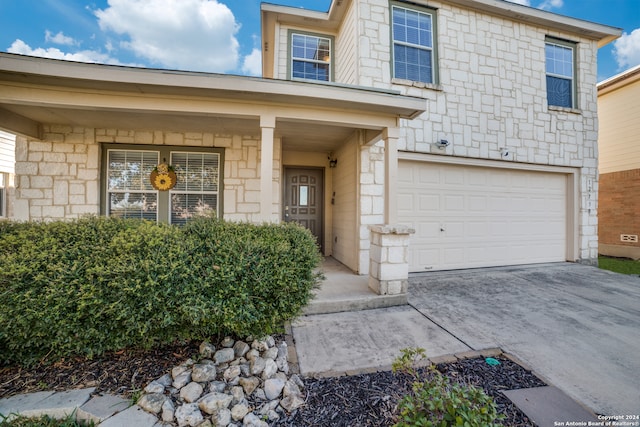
[(303, 196)]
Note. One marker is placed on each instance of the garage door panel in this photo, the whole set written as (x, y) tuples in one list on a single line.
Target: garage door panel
[(429, 202), (469, 217)]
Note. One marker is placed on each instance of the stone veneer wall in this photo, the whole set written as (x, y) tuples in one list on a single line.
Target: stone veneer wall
[(491, 94), (58, 177)]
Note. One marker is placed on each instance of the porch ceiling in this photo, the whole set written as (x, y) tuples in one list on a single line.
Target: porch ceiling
[(295, 135)]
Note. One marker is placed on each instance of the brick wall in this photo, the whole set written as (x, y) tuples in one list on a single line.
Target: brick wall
[(619, 207)]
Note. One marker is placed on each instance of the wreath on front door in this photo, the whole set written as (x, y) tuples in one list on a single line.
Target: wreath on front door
[(163, 177)]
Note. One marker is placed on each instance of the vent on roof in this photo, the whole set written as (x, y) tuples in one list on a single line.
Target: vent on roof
[(629, 238)]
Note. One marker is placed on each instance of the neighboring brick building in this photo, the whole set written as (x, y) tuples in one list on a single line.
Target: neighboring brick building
[(619, 166)]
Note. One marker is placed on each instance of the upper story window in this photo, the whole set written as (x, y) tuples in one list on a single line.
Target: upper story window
[(413, 44), (311, 57), (560, 65)]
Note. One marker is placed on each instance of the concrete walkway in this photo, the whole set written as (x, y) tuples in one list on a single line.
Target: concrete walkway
[(106, 410), (577, 326)]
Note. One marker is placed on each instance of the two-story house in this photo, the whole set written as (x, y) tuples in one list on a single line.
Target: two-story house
[(472, 121), (501, 168)]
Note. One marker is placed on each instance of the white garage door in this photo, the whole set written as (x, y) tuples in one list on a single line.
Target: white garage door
[(468, 216)]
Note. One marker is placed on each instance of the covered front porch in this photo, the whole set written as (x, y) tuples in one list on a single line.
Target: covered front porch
[(68, 115)]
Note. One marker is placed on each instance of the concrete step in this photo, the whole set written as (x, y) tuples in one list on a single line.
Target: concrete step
[(355, 303)]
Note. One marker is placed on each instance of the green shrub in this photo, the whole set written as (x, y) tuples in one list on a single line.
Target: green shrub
[(97, 284), (435, 402)]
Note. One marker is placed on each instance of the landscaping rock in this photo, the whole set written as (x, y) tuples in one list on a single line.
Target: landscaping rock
[(273, 387), (217, 386), (239, 411), (257, 365), (203, 373), (191, 392), (270, 369), (189, 415), (182, 380), (154, 387), (249, 384), (207, 350), (227, 342), (213, 402), (168, 411), (252, 420), (231, 373), (271, 353), (152, 402), (222, 418), (292, 402), (240, 348), (240, 377)]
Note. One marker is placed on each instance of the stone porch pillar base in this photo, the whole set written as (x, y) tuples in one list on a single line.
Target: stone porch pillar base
[(388, 259)]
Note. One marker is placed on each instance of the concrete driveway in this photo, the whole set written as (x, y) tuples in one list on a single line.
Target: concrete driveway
[(576, 326)]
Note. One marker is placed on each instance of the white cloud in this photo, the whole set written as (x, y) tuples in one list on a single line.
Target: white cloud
[(252, 64), (522, 2), (627, 49), (22, 48), (197, 35), (551, 4), (59, 38)]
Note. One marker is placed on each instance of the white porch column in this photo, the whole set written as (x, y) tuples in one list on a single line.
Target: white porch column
[(390, 137), (268, 125)]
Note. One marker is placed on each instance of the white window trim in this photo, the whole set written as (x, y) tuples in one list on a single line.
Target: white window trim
[(573, 46), (292, 58)]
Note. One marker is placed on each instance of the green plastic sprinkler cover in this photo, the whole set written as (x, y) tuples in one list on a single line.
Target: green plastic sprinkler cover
[(491, 361)]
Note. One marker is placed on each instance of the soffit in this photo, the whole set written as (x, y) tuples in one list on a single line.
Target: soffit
[(309, 117)]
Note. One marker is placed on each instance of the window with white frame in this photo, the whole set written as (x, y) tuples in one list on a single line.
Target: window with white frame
[(310, 57), (560, 67), (129, 193), (413, 44)]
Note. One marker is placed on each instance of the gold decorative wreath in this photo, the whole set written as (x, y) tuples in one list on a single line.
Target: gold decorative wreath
[(163, 177)]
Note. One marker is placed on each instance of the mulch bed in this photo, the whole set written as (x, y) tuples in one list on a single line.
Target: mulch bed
[(121, 372), (363, 400), (371, 399)]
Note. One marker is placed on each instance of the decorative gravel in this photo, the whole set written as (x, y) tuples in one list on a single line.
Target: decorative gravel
[(362, 400)]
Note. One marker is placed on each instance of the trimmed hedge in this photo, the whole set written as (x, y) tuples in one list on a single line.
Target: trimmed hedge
[(93, 285)]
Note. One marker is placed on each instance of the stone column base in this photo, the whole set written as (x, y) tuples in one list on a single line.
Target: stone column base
[(388, 254)]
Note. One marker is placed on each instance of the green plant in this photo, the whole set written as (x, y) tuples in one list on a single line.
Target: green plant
[(93, 285), (436, 402), (43, 421), (619, 265)]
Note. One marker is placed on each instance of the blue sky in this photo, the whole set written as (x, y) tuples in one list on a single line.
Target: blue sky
[(222, 35)]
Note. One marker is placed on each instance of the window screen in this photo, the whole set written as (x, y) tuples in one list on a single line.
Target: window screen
[(196, 190), (129, 191)]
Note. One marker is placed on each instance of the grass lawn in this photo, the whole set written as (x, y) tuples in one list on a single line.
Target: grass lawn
[(619, 265)]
